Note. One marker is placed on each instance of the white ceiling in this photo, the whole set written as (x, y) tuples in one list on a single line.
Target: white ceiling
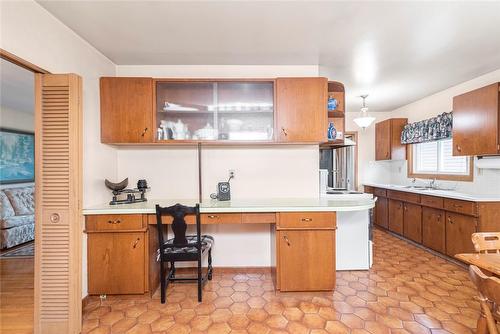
[(397, 52), (17, 88)]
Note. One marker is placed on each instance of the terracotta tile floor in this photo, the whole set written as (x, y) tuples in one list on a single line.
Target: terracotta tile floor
[(408, 290)]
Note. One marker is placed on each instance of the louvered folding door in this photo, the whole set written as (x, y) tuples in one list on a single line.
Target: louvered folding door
[(58, 211)]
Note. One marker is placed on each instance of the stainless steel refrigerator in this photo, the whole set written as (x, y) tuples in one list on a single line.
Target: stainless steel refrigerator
[(340, 165)]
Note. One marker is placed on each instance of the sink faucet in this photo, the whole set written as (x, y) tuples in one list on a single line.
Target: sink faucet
[(433, 184)]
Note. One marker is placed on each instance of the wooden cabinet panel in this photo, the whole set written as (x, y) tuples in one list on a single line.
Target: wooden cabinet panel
[(258, 218), (126, 110), (302, 114), (383, 140), (396, 216), (220, 218), (306, 220), (476, 122), (379, 192), (403, 196), (306, 260), (99, 223), (459, 229), (381, 212), (458, 206), (388, 139), (412, 222), (433, 229), (431, 201), (116, 263)]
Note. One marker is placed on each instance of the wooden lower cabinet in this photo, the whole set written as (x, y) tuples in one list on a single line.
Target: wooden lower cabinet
[(381, 212), (459, 229), (396, 216), (116, 263), (412, 222), (306, 260), (433, 229)]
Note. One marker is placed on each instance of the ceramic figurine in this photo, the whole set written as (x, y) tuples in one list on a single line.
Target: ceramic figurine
[(332, 103), (332, 132)]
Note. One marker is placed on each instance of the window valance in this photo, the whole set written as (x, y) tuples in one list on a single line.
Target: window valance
[(431, 129)]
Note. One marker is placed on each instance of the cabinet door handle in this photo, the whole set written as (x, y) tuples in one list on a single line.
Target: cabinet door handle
[(212, 216), (287, 240), (306, 219), (144, 132), (284, 131), (136, 242), (459, 149), (450, 221)]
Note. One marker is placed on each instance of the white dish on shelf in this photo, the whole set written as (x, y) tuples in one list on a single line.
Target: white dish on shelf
[(177, 107), (234, 124)]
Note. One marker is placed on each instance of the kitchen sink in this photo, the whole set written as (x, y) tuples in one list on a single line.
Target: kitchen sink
[(419, 187)]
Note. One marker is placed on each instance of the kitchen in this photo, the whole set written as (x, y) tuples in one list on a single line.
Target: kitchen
[(328, 207)]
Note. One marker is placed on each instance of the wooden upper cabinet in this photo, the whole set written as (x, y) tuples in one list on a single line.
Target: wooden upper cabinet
[(476, 122), (302, 114), (126, 110), (388, 139)]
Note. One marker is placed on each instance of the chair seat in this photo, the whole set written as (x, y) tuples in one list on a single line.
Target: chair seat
[(206, 243)]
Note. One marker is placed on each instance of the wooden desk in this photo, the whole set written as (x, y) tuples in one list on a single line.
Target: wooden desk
[(488, 262)]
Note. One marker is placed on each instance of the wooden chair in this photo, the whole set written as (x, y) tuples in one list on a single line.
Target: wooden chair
[(182, 247), (489, 298), (486, 242)]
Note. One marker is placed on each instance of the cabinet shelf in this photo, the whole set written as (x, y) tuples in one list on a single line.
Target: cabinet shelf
[(336, 114), (198, 112)]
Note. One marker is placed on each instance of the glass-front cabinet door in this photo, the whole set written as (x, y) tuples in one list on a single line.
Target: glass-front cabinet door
[(215, 110)]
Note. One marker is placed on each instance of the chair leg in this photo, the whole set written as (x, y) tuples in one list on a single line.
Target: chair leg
[(162, 282), (210, 264), (199, 279), (172, 268)]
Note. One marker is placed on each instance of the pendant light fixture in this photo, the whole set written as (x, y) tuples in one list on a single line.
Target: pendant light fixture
[(364, 121)]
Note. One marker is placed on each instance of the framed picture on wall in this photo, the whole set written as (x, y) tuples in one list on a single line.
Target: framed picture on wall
[(17, 156)]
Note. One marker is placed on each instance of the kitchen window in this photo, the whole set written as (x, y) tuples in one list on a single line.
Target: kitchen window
[(435, 160)]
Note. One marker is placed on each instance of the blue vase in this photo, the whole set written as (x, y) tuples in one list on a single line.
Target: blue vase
[(332, 103), (332, 132)]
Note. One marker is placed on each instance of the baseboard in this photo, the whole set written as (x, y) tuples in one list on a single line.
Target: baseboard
[(85, 301)]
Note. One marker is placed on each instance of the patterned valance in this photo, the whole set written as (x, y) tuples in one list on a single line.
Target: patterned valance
[(431, 129)]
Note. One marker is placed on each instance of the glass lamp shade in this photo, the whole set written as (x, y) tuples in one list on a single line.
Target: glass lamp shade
[(364, 121)]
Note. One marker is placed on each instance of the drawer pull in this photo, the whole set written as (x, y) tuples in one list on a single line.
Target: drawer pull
[(287, 240), (213, 216), (136, 242), (457, 205), (306, 219), (118, 221), (284, 131), (144, 132)]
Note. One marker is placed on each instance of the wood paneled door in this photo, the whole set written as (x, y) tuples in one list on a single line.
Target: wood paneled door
[(412, 222), (58, 194), (307, 260), (459, 229), (302, 114), (126, 110), (476, 122), (433, 229), (396, 215)]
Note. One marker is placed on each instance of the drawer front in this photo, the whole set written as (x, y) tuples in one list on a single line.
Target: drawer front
[(464, 207), (432, 201), (380, 192), (403, 196), (221, 218), (190, 219), (258, 218), (306, 220), (368, 189), (99, 223)]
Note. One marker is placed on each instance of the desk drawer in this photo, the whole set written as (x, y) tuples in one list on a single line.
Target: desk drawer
[(221, 218), (306, 220), (98, 223), (459, 206), (379, 192), (403, 196), (432, 201), (190, 219), (258, 218)]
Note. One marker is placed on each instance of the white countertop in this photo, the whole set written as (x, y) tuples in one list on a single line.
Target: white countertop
[(440, 193), (247, 205)]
